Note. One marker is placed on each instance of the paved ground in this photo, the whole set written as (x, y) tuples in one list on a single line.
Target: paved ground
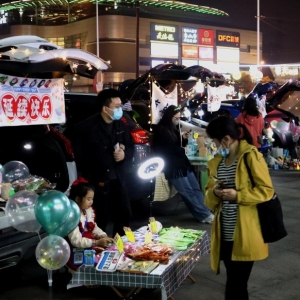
[(276, 278)]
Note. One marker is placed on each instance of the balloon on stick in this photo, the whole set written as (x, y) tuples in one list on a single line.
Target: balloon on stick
[(14, 170), (52, 209), (20, 209), (52, 252)]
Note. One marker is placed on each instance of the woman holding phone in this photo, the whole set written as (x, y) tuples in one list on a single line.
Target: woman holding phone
[(236, 236)]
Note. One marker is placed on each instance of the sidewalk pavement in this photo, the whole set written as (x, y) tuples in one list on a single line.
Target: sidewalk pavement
[(276, 278)]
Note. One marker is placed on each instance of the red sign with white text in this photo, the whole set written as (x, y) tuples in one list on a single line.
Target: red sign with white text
[(206, 37)]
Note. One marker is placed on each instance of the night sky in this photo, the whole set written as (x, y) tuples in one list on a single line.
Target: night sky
[(280, 27)]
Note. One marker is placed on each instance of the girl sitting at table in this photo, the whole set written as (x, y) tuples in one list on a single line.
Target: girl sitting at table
[(87, 234)]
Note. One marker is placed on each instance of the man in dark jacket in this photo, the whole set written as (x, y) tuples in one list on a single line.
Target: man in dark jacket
[(103, 151)]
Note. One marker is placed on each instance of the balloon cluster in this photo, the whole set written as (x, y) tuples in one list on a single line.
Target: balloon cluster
[(58, 215), (52, 210)]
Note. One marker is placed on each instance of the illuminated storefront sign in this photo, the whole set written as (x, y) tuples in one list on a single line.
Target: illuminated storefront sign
[(231, 55), (228, 39), (3, 17), (166, 33), (157, 61), (189, 51), (164, 50), (206, 37), (286, 71), (189, 35), (190, 62), (206, 53)]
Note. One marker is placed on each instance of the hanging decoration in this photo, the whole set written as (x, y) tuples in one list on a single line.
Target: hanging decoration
[(261, 103), (213, 99), (31, 101), (160, 101)]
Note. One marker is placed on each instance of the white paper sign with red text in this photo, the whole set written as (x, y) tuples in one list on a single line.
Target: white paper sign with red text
[(30, 101)]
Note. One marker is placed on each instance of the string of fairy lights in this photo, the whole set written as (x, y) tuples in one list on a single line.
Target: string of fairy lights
[(181, 92), (22, 53)]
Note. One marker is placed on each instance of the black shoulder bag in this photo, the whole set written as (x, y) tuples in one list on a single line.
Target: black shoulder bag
[(270, 215)]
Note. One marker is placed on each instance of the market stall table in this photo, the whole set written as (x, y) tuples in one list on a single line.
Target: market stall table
[(200, 165), (165, 277)]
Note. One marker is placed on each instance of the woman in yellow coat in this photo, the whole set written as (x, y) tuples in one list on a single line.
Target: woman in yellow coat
[(236, 236)]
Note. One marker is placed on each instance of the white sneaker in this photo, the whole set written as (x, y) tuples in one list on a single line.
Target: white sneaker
[(209, 219)]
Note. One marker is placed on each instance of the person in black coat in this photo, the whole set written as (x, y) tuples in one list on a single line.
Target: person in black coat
[(103, 150), (169, 143)]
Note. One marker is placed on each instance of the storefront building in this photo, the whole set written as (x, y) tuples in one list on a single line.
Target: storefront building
[(160, 41)]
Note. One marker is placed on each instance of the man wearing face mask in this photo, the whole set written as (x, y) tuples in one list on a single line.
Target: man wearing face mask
[(169, 143), (103, 155)]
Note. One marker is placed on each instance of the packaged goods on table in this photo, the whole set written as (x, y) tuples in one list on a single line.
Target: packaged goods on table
[(179, 238), (152, 251)]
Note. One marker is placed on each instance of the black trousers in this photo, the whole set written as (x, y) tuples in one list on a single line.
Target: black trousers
[(238, 273), (111, 203)]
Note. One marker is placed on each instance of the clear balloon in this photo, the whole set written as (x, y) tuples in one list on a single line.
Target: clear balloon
[(52, 209), (72, 221), (14, 170), (52, 252), (20, 209)]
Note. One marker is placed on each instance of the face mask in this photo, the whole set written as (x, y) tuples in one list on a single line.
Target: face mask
[(176, 122), (117, 115), (223, 152)]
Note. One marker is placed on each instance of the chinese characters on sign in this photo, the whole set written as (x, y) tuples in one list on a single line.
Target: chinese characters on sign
[(206, 37), (189, 51), (228, 39), (189, 35), (164, 33), (23, 108), (33, 101), (161, 101)]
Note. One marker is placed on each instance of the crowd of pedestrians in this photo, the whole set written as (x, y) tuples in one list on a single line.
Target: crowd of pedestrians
[(104, 147)]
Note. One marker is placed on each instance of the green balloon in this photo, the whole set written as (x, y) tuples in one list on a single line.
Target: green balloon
[(52, 209), (72, 221)]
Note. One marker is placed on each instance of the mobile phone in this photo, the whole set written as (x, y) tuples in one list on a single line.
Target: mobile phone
[(221, 184), (117, 147)]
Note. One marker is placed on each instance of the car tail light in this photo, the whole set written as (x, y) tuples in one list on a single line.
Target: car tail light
[(140, 136), (65, 141)]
